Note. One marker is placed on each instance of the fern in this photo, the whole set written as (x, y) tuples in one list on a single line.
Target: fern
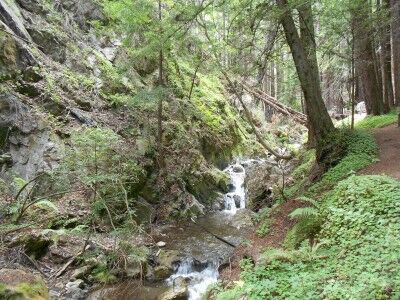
[(46, 204), (304, 213)]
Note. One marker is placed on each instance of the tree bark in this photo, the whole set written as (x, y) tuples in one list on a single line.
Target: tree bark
[(303, 53), (160, 155), (365, 62), (395, 51), (386, 58)]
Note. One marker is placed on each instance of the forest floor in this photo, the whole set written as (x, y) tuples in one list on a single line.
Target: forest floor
[(388, 139)]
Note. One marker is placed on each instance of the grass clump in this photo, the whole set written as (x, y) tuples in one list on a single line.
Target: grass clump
[(354, 256), (371, 122)]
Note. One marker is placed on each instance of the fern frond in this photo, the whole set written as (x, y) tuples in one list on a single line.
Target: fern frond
[(308, 200), (276, 254), (304, 213)]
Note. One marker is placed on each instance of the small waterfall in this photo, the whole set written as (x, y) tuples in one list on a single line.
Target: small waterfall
[(236, 197), (199, 277)]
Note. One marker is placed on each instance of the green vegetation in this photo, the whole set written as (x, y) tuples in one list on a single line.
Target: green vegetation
[(354, 255), (359, 150), (344, 245), (377, 121)]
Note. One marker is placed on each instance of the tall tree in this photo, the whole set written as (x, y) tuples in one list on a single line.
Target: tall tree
[(365, 67), (304, 57), (386, 69), (395, 43)]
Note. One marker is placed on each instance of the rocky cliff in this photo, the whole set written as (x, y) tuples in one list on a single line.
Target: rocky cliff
[(61, 75)]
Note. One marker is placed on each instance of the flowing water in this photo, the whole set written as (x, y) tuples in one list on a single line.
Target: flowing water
[(200, 277), (201, 252)]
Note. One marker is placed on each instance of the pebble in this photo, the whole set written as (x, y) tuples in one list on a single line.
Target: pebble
[(161, 244)]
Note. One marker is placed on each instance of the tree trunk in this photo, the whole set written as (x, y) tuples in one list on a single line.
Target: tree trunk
[(387, 85), (304, 57), (364, 62), (160, 155), (395, 43)]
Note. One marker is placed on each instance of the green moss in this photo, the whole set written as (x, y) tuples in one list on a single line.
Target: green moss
[(36, 290), (371, 122)]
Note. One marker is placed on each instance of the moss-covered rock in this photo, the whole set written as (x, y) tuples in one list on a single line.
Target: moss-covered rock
[(207, 186), (18, 284)]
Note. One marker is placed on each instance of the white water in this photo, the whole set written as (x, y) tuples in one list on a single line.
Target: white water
[(237, 197), (199, 278)]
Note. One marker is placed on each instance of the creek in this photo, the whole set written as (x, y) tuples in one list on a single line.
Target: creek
[(201, 245), (200, 268)]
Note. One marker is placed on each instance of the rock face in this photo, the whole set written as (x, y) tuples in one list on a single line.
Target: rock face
[(259, 184), (10, 15), (32, 146), (22, 285)]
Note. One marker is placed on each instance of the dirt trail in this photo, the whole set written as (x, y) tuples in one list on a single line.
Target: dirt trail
[(388, 139)]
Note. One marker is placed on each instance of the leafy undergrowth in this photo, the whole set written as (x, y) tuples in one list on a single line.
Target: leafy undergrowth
[(360, 151), (371, 122), (344, 245), (354, 256)]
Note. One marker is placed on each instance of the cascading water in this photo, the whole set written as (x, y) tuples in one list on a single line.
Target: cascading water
[(200, 276), (235, 198)]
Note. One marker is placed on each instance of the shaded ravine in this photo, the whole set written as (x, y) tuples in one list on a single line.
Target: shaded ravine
[(205, 252), (201, 253)]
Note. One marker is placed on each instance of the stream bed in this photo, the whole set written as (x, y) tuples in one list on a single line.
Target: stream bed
[(201, 252)]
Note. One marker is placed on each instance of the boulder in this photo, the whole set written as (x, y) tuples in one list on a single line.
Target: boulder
[(178, 291), (167, 258), (81, 272), (259, 185), (76, 289), (22, 285), (162, 273)]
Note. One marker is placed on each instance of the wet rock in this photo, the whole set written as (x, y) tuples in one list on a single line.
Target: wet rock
[(162, 273), (242, 219), (22, 285), (238, 169), (168, 258), (237, 200), (75, 289), (178, 291), (207, 185)]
